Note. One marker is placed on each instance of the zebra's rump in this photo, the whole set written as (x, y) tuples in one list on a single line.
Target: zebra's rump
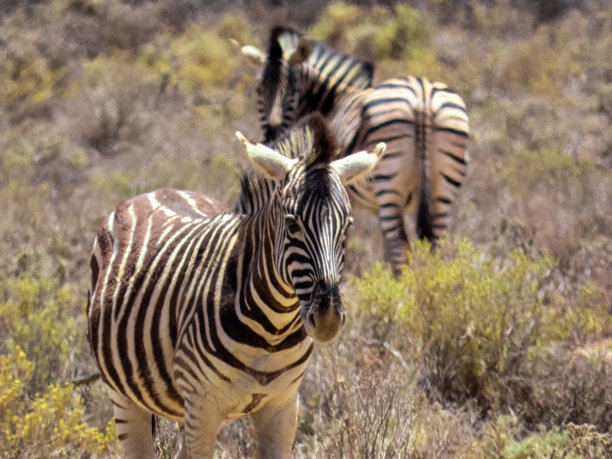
[(424, 125)]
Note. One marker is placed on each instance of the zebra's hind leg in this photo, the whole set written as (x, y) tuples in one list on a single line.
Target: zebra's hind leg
[(395, 241), (134, 427), (275, 426)]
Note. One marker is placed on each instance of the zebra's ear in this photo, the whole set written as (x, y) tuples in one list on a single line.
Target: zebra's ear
[(301, 53), (357, 166), (266, 161), (252, 53)]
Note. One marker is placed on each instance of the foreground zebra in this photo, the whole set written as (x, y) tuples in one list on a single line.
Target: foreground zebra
[(423, 123), (200, 315)]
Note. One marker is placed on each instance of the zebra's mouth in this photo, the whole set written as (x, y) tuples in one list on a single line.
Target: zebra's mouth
[(324, 315)]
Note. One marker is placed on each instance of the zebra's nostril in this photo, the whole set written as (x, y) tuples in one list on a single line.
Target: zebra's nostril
[(311, 319)]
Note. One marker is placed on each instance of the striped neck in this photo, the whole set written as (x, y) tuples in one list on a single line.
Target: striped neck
[(327, 76), (266, 295)]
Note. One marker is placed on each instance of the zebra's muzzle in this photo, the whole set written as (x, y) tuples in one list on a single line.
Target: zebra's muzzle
[(326, 315)]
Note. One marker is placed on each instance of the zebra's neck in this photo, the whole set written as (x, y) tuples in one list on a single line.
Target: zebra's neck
[(327, 76), (262, 287)]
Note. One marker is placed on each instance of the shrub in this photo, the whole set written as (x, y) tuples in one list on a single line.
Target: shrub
[(403, 35), (31, 319), (571, 441), (375, 34), (482, 324), (46, 424), (359, 398), (29, 78), (335, 24), (201, 59), (477, 316)]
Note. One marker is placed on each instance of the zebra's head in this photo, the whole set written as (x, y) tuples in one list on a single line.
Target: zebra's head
[(299, 76), (313, 214), (278, 90)]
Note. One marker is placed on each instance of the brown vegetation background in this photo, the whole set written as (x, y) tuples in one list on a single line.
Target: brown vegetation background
[(499, 344)]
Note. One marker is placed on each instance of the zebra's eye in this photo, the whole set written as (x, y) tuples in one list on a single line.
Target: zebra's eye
[(292, 224)]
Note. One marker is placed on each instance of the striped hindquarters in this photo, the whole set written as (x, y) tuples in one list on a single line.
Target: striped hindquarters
[(425, 127), (446, 133)]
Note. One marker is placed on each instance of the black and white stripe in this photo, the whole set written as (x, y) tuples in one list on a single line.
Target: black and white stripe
[(423, 123), (200, 314)]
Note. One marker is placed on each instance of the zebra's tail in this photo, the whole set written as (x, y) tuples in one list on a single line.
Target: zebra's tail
[(424, 223)]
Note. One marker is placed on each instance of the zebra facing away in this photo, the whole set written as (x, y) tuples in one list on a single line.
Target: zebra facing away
[(423, 123), (199, 314)]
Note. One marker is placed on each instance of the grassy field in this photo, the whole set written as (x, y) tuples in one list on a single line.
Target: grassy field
[(497, 345)]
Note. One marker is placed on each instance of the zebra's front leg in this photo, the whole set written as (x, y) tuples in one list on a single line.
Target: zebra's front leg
[(134, 427), (275, 426), (202, 420), (395, 239)]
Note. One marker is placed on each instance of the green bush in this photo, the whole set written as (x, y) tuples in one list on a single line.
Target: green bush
[(476, 315), (571, 441), (403, 35), (376, 34), (481, 321), (39, 316), (335, 24), (29, 78), (44, 424)]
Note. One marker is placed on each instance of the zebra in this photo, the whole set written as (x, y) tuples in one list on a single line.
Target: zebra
[(424, 124), (198, 313)]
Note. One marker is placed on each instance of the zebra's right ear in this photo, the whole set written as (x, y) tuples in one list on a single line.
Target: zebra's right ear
[(266, 161), (253, 54)]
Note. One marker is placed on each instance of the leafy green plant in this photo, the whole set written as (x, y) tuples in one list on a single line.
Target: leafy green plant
[(29, 79), (44, 424), (480, 321), (403, 35), (477, 316), (336, 22), (571, 441), (31, 319)]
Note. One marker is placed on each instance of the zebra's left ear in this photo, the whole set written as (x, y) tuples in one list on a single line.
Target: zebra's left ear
[(301, 53), (266, 161), (252, 53), (357, 166)]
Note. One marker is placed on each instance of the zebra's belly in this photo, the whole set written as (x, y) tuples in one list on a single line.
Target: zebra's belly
[(241, 394)]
